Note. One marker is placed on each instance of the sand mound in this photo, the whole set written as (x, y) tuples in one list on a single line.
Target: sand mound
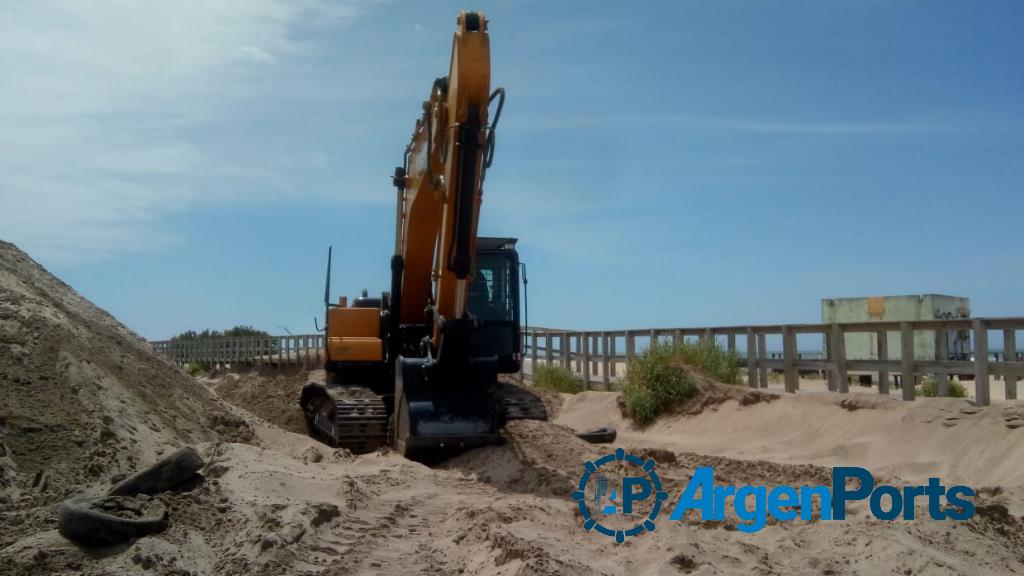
[(271, 394), (945, 437), (83, 399)]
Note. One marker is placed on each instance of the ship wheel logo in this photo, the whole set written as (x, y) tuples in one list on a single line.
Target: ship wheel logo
[(613, 493)]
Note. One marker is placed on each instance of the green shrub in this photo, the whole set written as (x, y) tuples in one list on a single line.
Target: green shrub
[(709, 358), (195, 368), (655, 382), (658, 379), (240, 330), (930, 387), (556, 378)]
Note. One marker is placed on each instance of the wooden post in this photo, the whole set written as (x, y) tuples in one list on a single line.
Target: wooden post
[(611, 353), (593, 354), (533, 352), (548, 352), (586, 361), (762, 354), (630, 348), (730, 342), (942, 354), (606, 377), (1010, 354), (839, 357), (751, 358), (579, 352), (883, 356), (907, 359), (566, 351), (654, 338), (789, 359), (677, 337), (981, 392)]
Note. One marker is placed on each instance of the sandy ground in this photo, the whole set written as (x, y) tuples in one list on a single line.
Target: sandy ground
[(272, 501)]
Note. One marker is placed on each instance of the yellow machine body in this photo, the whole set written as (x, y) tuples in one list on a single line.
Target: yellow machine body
[(353, 335)]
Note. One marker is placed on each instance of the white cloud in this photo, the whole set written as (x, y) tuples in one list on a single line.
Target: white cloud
[(97, 100), (783, 127)]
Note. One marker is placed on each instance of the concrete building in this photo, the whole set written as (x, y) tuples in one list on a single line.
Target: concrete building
[(898, 308)]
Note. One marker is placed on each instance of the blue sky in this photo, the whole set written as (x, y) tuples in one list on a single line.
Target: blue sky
[(666, 164)]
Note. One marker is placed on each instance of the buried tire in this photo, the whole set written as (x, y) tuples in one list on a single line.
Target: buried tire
[(166, 474), (108, 520), (602, 435)]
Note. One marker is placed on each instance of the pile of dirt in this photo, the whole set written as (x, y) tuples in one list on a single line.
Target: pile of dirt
[(270, 393), (711, 394), (83, 399)]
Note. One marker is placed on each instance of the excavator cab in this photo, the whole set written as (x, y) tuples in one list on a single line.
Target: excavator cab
[(494, 301)]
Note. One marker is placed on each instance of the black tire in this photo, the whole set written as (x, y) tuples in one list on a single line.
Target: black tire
[(95, 522), (166, 474), (602, 435)]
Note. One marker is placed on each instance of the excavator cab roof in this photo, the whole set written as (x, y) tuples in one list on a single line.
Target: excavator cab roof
[(488, 243)]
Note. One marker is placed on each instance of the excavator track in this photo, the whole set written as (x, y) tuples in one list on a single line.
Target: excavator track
[(351, 417), (518, 403)]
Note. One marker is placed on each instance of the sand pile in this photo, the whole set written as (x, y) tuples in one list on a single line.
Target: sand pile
[(293, 506), (947, 437), (269, 393), (83, 400)]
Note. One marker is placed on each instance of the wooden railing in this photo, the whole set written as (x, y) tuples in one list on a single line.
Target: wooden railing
[(602, 358), (598, 358), (302, 349)]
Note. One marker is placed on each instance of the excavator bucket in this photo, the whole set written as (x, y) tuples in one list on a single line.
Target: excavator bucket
[(437, 416)]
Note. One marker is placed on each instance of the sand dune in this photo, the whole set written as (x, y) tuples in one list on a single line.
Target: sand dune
[(945, 437)]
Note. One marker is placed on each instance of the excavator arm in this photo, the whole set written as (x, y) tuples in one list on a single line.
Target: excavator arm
[(440, 186), (445, 391)]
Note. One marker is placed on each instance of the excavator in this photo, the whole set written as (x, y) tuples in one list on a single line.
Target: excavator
[(417, 368)]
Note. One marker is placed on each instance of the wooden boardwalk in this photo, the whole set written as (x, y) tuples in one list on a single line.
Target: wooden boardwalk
[(602, 358)]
